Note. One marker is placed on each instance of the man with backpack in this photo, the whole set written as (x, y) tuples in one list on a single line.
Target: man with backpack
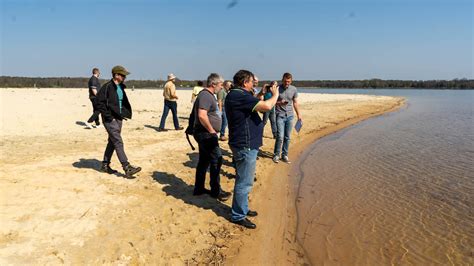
[(207, 122)]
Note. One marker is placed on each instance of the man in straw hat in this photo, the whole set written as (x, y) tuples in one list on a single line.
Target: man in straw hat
[(169, 92), (113, 104)]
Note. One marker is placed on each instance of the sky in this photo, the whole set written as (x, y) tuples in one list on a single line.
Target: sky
[(313, 40)]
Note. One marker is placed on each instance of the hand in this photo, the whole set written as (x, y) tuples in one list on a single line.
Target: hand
[(274, 89)]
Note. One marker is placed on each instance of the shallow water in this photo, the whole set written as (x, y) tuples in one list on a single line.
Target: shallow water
[(396, 189)]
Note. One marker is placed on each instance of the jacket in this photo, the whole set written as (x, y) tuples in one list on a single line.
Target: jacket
[(108, 103)]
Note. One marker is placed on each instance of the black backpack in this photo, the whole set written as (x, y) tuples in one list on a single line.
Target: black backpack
[(190, 130)]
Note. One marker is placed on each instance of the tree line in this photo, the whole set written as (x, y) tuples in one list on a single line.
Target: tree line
[(79, 82)]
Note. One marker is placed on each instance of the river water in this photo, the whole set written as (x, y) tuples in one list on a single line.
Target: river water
[(396, 189)]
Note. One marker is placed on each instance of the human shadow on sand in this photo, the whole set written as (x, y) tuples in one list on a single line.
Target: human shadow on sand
[(193, 162), (153, 127), (177, 188), (93, 164)]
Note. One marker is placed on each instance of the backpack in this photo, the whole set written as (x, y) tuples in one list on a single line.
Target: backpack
[(190, 129)]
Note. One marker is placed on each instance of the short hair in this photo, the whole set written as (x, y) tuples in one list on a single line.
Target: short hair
[(228, 82), (241, 77), (214, 79), (95, 70), (200, 83), (287, 76)]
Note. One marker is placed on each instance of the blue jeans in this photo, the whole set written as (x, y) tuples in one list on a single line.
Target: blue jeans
[(224, 122), (245, 161), (284, 127), (173, 106), (271, 115)]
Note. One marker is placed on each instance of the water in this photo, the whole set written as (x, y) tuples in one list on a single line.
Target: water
[(396, 189)]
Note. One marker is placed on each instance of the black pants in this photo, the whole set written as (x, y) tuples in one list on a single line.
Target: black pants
[(95, 114), (210, 156), (115, 142)]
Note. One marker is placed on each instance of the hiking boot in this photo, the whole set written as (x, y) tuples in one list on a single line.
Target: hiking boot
[(105, 168), (285, 159), (276, 159), (130, 170)]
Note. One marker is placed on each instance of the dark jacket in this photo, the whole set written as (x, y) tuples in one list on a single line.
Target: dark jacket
[(108, 104)]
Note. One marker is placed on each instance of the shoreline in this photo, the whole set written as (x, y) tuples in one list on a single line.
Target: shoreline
[(51, 187), (290, 250)]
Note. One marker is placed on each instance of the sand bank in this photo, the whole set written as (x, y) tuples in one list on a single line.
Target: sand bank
[(57, 208)]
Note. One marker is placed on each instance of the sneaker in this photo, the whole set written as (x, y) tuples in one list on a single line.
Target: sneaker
[(285, 159), (245, 223), (105, 168), (223, 195), (98, 126), (276, 159), (88, 126), (130, 170)]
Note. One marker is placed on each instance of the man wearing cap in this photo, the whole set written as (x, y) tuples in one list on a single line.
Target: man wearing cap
[(169, 92), (112, 102)]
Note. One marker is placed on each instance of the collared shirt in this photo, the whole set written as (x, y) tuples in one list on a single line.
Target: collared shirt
[(169, 91), (208, 102), (197, 90), (245, 125), (288, 94)]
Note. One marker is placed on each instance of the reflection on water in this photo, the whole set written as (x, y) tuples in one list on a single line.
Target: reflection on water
[(397, 189)]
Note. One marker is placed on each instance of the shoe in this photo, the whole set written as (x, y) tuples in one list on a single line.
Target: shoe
[(276, 159), (98, 126), (162, 130), (131, 170), (88, 125), (201, 192), (245, 223), (223, 195), (179, 128), (252, 213), (223, 138), (285, 159), (105, 168)]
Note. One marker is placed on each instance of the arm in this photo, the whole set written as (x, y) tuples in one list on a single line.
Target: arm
[(193, 97), (102, 104), (265, 106), (173, 92), (296, 105), (204, 119), (221, 104)]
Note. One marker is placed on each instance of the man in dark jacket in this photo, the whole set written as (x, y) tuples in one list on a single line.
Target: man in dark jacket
[(113, 104)]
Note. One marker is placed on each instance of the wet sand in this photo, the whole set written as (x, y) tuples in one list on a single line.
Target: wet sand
[(57, 207)]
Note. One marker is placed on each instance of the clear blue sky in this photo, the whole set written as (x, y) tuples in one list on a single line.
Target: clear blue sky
[(319, 39)]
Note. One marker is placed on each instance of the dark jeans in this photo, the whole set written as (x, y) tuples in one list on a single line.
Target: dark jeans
[(95, 114), (224, 122), (271, 115), (173, 106), (115, 142), (210, 156)]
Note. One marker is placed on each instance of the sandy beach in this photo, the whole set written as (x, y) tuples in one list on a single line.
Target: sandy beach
[(56, 207)]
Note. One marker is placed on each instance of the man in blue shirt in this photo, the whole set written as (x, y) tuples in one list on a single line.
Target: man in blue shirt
[(245, 138)]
